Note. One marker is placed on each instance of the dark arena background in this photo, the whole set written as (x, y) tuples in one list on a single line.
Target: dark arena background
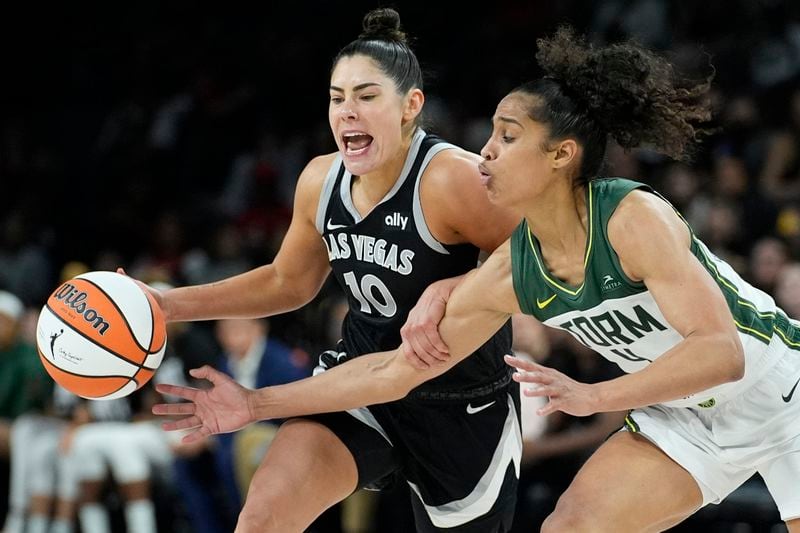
[(167, 137)]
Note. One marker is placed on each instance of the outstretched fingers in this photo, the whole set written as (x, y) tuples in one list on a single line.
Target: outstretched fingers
[(209, 373), (183, 423), (174, 409), (522, 364), (187, 393)]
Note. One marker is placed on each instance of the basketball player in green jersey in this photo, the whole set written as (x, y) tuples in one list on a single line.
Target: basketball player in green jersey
[(712, 363)]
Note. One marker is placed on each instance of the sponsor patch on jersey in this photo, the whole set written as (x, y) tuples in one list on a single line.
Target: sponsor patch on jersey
[(608, 283)]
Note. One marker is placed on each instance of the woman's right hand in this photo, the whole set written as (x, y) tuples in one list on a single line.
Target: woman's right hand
[(157, 294), (223, 408)]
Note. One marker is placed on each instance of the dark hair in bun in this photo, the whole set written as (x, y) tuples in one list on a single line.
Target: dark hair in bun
[(384, 42), (623, 91), (382, 24)]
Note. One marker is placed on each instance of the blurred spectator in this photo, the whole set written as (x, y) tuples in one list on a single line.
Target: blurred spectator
[(25, 266), (255, 359), (165, 248), (731, 183), (787, 290), (24, 383), (741, 133), (222, 258), (780, 175), (722, 231), (44, 489), (768, 258), (133, 452), (684, 188), (776, 57)]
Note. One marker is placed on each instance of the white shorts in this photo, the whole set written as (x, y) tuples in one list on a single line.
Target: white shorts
[(130, 449), (723, 446)]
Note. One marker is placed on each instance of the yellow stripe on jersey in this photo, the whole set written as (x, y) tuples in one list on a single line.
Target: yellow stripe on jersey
[(540, 262)]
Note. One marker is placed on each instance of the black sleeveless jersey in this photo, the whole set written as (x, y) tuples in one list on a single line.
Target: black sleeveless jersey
[(385, 260)]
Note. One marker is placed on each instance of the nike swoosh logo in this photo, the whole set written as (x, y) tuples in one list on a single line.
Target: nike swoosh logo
[(545, 303), (788, 397), (472, 410), (332, 226)]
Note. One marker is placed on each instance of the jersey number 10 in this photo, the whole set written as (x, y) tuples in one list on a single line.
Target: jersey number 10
[(364, 292)]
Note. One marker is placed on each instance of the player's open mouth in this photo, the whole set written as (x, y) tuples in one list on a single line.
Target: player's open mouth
[(356, 142)]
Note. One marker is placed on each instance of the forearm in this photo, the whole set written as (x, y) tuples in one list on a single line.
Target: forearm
[(254, 294), (470, 320), (444, 288), (694, 365), (365, 380)]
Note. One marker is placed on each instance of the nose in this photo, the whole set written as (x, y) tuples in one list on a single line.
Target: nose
[(347, 111), (486, 152)]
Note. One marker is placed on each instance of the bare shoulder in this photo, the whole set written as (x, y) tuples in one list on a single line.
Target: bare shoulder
[(640, 213), (644, 230), (451, 167), (316, 170), (456, 205), (309, 184)]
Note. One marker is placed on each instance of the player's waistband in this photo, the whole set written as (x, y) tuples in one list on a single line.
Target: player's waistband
[(489, 388)]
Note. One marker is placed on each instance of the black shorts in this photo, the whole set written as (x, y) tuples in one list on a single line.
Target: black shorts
[(460, 458)]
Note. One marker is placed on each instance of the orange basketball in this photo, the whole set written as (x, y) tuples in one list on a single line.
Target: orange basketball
[(101, 336)]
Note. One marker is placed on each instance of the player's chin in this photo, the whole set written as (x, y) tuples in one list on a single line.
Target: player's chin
[(360, 164), (496, 197), (359, 167)]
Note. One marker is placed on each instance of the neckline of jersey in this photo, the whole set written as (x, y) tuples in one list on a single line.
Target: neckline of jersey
[(346, 184), (570, 290)]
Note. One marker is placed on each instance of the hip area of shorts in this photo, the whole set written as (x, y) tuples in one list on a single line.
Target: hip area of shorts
[(762, 417), (760, 361)]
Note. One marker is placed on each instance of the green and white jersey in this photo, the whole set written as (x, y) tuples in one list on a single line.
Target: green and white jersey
[(618, 317)]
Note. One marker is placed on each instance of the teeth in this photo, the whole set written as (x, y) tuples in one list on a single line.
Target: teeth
[(354, 151)]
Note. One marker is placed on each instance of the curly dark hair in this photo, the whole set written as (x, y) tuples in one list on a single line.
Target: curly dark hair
[(623, 91)]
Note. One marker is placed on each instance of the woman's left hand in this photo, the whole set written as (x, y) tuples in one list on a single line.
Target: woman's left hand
[(422, 345), (563, 393)]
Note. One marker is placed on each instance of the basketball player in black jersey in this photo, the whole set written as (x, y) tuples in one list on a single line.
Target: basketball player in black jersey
[(393, 211)]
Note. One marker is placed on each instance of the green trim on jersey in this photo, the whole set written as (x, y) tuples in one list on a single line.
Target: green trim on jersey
[(540, 294), (534, 244), (748, 319)]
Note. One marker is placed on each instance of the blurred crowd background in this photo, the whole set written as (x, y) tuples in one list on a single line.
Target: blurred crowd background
[(167, 138)]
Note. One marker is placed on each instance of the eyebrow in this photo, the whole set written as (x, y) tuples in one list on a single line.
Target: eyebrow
[(357, 87), (509, 120)]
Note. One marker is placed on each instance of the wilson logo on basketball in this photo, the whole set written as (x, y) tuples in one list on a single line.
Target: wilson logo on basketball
[(74, 299)]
